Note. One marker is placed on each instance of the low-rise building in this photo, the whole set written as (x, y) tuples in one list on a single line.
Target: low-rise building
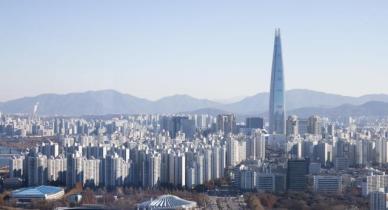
[(328, 184), (43, 192), (167, 202)]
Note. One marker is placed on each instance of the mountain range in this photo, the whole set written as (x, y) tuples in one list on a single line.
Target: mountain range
[(298, 101)]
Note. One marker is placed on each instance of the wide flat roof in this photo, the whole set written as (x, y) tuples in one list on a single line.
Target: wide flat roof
[(36, 192)]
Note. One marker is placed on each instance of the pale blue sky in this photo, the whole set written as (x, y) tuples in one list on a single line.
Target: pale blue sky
[(204, 48)]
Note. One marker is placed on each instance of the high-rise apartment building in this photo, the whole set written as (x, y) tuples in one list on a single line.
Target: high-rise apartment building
[(292, 125), (16, 166), (378, 200), (226, 123), (56, 169), (314, 125), (256, 147), (36, 169)]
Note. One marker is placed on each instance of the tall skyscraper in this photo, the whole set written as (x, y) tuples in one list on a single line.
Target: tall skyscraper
[(277, 115)]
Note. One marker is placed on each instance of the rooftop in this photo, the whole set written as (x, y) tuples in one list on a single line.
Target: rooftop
[(36, 192), (168, 202)]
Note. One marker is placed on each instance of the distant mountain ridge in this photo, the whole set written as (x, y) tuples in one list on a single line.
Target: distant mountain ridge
[(113, 102), (300, 98), (371, 109)]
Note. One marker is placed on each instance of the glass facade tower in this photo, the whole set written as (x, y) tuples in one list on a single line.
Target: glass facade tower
[(277, 115)]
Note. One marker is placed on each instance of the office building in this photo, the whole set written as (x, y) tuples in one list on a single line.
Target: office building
[(254, 123), (328, 184), (277, 115), (296, 174), (265, 182)]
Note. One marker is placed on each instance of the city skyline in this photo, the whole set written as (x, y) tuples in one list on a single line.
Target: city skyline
[(193, 105), (199, 55)]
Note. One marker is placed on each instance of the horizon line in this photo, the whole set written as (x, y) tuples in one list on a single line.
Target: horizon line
[(185, 94)]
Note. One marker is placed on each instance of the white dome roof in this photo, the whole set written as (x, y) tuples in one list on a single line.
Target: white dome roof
[(167, 202)]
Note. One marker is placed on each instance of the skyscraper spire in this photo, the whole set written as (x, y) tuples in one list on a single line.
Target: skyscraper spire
[(277, 115), (277, 32)]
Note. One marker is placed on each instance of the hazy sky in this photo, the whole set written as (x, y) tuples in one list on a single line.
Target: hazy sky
[(204, 48)]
